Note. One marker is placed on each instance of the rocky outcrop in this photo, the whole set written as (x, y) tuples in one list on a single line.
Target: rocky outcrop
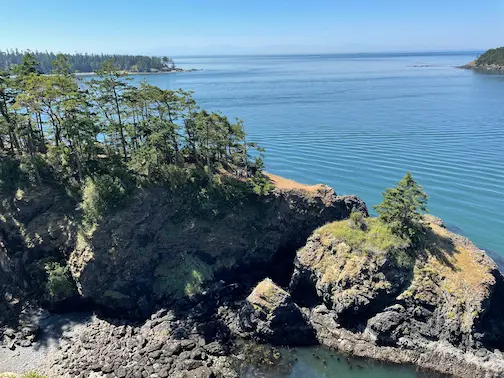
[(162, 247), (437, 310), (490, 68), (270, 315)]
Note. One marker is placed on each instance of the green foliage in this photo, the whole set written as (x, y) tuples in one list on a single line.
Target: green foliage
[(357, 220), (402, 208), (260, 184), (10, 174), (181, 277), (59, 283), (100, 195), (32, 374), (375, 235), (60, 63), (492, 56), (101, 139)]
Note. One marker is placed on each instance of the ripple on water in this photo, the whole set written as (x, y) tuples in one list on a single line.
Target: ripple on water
[(358, 124)]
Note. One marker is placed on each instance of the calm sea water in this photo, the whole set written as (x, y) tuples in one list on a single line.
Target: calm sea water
[(358, 123), (321, 362)]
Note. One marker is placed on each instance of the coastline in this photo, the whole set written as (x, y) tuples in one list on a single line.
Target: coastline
[(145, 73), (489, 68)]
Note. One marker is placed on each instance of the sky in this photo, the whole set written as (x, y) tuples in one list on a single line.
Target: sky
[(220, 27)]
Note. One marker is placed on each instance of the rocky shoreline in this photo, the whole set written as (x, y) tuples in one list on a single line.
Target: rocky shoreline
[(288, 269), (177, 70), (488, 68)]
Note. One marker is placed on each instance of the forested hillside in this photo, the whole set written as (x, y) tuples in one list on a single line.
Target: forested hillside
[(492, 56), (88, 62)]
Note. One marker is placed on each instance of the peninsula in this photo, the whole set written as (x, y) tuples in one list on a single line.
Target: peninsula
[(490, 61)]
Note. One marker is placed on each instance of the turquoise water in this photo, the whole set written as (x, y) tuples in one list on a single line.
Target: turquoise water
[(359, 122), (323, 363)]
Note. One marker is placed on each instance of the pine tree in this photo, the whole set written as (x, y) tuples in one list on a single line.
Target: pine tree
[(402, 209)]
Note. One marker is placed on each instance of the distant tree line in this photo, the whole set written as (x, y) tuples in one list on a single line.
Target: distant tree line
[(492, 56), (88, 62)]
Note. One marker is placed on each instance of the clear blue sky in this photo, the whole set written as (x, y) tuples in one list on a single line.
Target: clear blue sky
[(186, 27)]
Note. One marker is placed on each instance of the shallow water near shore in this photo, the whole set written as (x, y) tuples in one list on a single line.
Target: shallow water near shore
[(319, 362), (359, 122)]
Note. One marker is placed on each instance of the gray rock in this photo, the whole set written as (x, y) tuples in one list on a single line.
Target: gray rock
[(187, 344), (191, 364), (270, 314), (172, 347), (121, 372), (215, 349)]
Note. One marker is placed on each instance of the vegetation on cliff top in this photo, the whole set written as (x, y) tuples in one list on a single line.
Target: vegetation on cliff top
[(491, 57), (87, 62), (101, 139), (110, 135), (399, 231)]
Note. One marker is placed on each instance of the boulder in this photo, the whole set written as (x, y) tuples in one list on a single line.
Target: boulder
[(351, 277), (270, 315)]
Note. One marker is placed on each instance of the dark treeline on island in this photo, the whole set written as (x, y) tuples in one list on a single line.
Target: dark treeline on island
[(492, 56), (89, 62), (491, 61)]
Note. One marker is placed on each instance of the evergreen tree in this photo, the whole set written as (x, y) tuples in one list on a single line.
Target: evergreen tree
[(108, 126), (402, 209)]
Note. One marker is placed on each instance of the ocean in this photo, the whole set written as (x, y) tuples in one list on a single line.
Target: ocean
[(358, 123)]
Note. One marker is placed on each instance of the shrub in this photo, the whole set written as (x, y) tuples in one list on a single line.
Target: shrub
[(32, 374), (101, 194), (357, 220), (260, 184), (59, 284)]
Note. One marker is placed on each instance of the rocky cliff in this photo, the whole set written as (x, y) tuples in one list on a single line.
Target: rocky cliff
[(159, 248), (437, 306)]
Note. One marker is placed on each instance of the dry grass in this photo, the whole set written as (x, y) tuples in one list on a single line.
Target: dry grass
[(286, 184), (457, 265)]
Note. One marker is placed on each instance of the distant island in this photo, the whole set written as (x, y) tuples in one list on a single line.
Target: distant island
[(492, 60), (88, 63)]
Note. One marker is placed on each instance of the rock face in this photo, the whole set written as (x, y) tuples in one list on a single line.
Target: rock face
[(438, 310), (159, 248), (36, 226), (271, 316)]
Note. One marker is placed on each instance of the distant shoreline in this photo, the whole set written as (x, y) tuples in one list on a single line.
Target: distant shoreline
[(490, 68), (143, 73)]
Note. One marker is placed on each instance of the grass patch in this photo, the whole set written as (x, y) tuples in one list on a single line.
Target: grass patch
[(375, 236)]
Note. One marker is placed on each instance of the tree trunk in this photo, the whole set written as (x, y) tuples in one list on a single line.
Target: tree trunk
[(121, 131)]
